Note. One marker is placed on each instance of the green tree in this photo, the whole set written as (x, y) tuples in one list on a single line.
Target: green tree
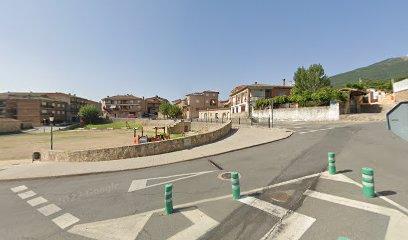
[(174, 111), (164, 108), (89, 113), (311, 79), (261, 103)]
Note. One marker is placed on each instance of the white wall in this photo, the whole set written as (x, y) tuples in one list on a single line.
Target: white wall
[(329, 113), (400, 86)]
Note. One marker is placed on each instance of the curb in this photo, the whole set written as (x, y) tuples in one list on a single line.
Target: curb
[(131, 169)]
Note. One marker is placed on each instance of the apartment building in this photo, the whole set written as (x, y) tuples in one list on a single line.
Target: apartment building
[(32, 107), (74, 104), (153, 104), (123, 106), (243, 97)]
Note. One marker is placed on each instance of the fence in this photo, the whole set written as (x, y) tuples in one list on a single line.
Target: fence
[(240, 121)]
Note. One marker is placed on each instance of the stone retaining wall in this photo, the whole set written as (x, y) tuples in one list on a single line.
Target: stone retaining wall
[(140, 150)]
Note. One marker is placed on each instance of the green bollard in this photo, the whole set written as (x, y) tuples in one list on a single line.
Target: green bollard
[(168, 198), (332, 163), (236, 190), (368, 182)]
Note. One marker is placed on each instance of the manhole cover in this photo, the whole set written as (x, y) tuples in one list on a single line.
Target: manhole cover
[(227, 176), (282, 196)]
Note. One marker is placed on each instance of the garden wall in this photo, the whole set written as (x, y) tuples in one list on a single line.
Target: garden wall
[(329, 113), (140, 150)]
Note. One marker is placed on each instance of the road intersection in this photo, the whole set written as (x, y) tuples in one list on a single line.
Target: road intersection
[(282, 186)]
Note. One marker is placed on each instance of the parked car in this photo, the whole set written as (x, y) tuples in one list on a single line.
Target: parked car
[(132, 116)]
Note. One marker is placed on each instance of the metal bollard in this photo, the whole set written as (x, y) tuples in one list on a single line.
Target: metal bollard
[(332, 163), (368, 182), (236, 190), (168, 198)]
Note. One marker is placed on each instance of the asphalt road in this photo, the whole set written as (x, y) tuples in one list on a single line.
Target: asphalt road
[(100, 206)]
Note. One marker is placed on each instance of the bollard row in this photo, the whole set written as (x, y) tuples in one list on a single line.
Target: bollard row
[(367, 175)]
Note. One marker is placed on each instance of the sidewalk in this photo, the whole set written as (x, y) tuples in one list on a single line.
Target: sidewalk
[(238, 139)]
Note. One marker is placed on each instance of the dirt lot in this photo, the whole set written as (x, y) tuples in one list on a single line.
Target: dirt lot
[(22, 145)]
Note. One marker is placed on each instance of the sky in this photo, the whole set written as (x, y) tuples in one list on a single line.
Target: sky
[(99, 48)]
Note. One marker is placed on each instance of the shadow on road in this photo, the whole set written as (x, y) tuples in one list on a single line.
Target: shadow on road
[(345, 171), (386, 193)]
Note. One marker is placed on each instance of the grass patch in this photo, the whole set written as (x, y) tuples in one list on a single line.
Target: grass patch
[(114, 125)]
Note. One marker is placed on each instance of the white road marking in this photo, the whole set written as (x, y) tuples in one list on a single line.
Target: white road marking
[(65, 220), (19, 188), (338, 177), (137, 185), (201, 225), (27, 194), (291, 227), (343, 178), (49, 209), (398, 223), (124, 228), (142, 183), (37, 201), (98, 230), (270, 208)]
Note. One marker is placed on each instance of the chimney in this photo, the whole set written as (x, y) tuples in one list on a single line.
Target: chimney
[(283, 82)]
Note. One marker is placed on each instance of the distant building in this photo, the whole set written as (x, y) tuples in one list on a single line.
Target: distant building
[(400, 89), (153, 104), (74, 104), (32, 107), (243, 97), (123, 106), (194, 102)]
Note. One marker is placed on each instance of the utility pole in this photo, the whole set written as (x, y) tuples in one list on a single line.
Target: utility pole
[(271, 103)]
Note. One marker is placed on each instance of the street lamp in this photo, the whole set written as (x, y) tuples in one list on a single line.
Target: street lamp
[(52, 122)]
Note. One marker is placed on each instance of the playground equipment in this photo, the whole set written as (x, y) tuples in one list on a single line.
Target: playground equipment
[(145, 138)]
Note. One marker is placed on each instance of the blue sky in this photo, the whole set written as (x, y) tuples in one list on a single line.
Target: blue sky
[(96, 48)]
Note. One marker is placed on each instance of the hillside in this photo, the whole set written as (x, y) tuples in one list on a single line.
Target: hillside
[(393, 68)]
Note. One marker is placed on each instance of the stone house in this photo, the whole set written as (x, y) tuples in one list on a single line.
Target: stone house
[(153, 104), (194, 102)]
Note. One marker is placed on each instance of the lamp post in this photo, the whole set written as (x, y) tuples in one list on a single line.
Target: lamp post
[(52, 122)]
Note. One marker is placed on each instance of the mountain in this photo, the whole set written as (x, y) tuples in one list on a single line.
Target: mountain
[(392, 68)]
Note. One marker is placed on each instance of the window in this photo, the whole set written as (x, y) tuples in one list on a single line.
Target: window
[(58, 105), (213, 94), (44, 103), (197, 101), (213, 102), (206, 101), (53, 112), (53, 104), (206, 94), (43, 111)]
